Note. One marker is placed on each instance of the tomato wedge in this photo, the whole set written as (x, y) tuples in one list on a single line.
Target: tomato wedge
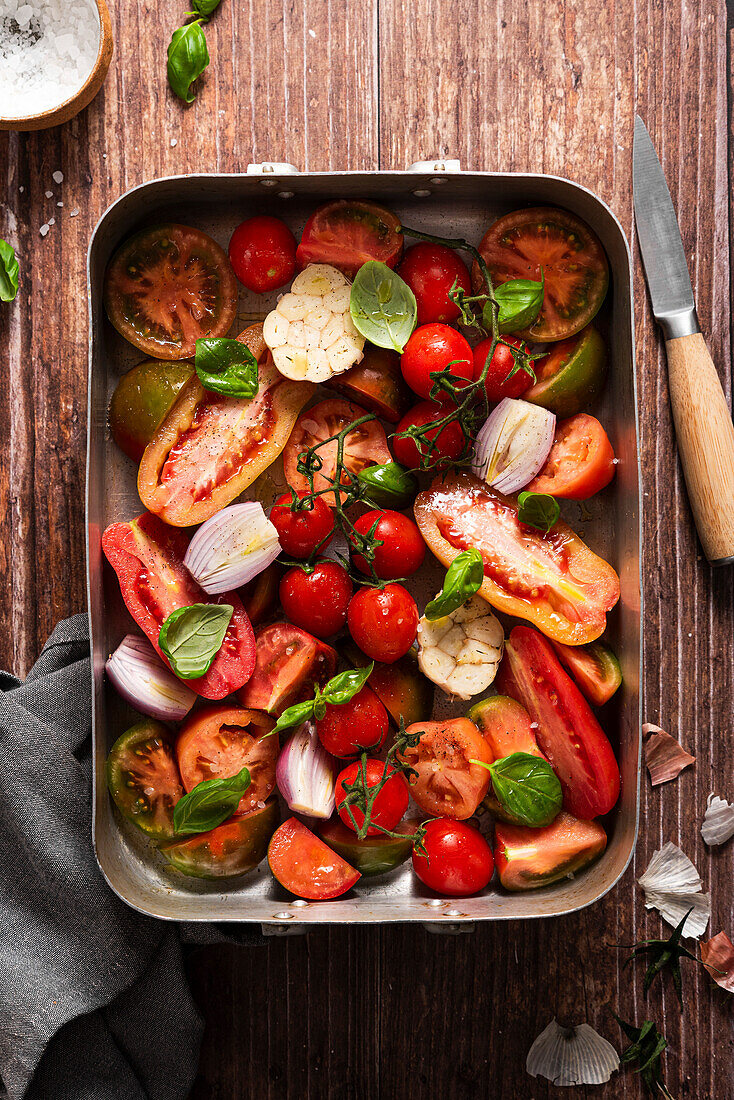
[(594, 668), (347, 233), (287, 665), (571, 375), (305, 865), (231, 849), (581, 461), (365, 446), (568, 733), (168, 286), (571, 257), (505, 726), (147, 556), (447, 783), (218, 742), (143, 777), (376, 383), (210, 448), (528, 858), (553, 580)]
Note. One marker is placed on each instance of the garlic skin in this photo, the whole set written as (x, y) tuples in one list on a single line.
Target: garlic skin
[(461, 652), (665, 757), (672, 885), (570, 1056), (718, 821)]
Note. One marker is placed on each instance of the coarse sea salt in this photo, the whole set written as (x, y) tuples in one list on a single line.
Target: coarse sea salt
[(48, 48)]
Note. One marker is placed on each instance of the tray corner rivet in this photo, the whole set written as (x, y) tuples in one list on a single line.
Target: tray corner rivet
[(300, 903), (283, 916), (422, 193)]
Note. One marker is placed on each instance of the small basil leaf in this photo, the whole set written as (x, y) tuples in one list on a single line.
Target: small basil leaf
[(388, 486), (293, 716), (464, 577), (520, 302), (209, 803), (8, 272), (192, 636), (226, 366), (205, 7), (344, 686), (527, 788), (539, 510), (188, 56), (382, 306)]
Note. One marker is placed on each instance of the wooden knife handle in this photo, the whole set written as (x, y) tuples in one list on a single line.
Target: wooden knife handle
[(705, 435)]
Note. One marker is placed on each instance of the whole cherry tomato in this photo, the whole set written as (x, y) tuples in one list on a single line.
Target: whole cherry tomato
[(360, 725), (317, 601), (383, 622), (498, 384), (458, 860), (432, 348), (301, 531), (262, 252), (389, 805), (449, 439), (430, 270), (403, 549)]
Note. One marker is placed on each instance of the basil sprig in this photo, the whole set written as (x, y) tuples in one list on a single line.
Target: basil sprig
[(382, 306), (527, 788), (8, 272), (209, 803), (520, 302), (539, 510), (205, 7), (464, 577), (388, 486), (188, 56), (339, 689), (227, 367), (192, 636)]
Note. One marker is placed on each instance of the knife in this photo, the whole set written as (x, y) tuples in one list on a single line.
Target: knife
[(702, 419)]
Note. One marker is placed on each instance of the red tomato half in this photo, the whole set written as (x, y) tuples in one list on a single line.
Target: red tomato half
[(581, 461), (383, 622), (458, 860), (430, 270), (433, 348), (360, 725), (497, 382), (568, 733), (403, 549), (389, 805), (301, 531), (305, 865), (449, 440), (262, 252), (289, 662), (447, 781), (347, 233), (317, 601), (147, 556), (218, 742)]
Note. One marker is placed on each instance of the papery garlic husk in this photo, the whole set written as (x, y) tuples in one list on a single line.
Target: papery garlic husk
[(672, 885), (718, 821), (572, 1056), (718, 957), (665, 757)]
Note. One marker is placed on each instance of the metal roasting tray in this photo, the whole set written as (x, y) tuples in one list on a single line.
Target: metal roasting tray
[(434, 196)]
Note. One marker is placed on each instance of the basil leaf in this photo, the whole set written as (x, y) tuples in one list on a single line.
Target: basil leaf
[(205, 7), (464, 577), (226, 366), (209, 803), (293, 716), (388, 486), (539, 510), (382, 306), (188, 56), (8, 272), (520, 302), (344, 686), (192, 636), (527, 788)]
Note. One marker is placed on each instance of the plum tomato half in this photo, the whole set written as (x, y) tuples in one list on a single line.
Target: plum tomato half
[(302, 530), (347, 233), (317, 601), (433, 348), (403, 549), (141, 400), (448, 442), (262, 251), (498, 383), (218, 742), (360, 725), (458, 860), (449, 779), (383, 622), (389, 805), (430, 270)]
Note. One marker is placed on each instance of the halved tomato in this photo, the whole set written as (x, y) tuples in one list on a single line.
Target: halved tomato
[(571, 375), (218, 742), (231, 849), (168, 286), (349, 232), (304, 865), (147, 556), (375, 855), (570, 255), (551, 579), (581, 461), (448, 783), (376, 383), (287, 665), (365, 446), (210, 448), (143, 777), (528, 858), (594, 668), (505, 726), (141, 400), (260, 595)]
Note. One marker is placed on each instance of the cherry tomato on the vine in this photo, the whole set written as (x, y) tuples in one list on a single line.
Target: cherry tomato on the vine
[(498, 384), (383, 622), (433, 348), (449, 439), (430, 270), (403, 549), (458, 860), (301, 531), (389, 805), (262, 252), (350, 728), (317, 601)]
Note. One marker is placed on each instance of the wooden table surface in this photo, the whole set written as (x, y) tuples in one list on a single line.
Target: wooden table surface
[(513, 85)]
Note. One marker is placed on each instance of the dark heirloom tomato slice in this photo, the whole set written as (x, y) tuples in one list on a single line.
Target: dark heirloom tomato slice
[(571, 375), (210, 448), (376, 383), (527, 858), (304, 865), (347, 233), (594, 668), (141, 400), (553, 580), (143, 778), (505, 726), (218, 742), (168, 286), (567, 731), (375, 855), (147, 556), (447, 783), (287, 665), (231, 849), (581, 461), (570, 255), (365, 446)]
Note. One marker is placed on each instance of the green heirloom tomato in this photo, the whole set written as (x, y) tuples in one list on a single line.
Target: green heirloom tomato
[(571, 375), (375, 855), (231, 849), (141, 400), (143, 777), (389, 485)]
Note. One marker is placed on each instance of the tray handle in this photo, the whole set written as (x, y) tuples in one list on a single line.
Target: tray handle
[(439, 166)]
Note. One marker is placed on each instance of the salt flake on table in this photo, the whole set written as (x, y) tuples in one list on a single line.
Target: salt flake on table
[(73, 213), (52, 221), (58, 177), (174, 142), (43, 230), (49, 194)]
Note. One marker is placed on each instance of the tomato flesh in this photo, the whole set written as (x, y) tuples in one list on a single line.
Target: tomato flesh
[(262, 251), (505, 726), (347, 233), (218, 742), (359, 725), (447, 783), (376, 384), (389, 805), (143, 778), (305, 866), (375, 855), (141, 400), (594, 668), (581, 461), (260, 595), (571, 375), (458, 860), (383, 622), (288, 662), (231, 849), (528, 858)]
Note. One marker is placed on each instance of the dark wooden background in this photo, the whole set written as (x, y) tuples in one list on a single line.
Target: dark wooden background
[(539, 85)]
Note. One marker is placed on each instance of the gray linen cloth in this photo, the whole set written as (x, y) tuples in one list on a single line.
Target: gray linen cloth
[(88, 987)]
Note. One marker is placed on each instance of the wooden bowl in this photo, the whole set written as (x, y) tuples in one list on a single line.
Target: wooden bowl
[(70, 107)]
